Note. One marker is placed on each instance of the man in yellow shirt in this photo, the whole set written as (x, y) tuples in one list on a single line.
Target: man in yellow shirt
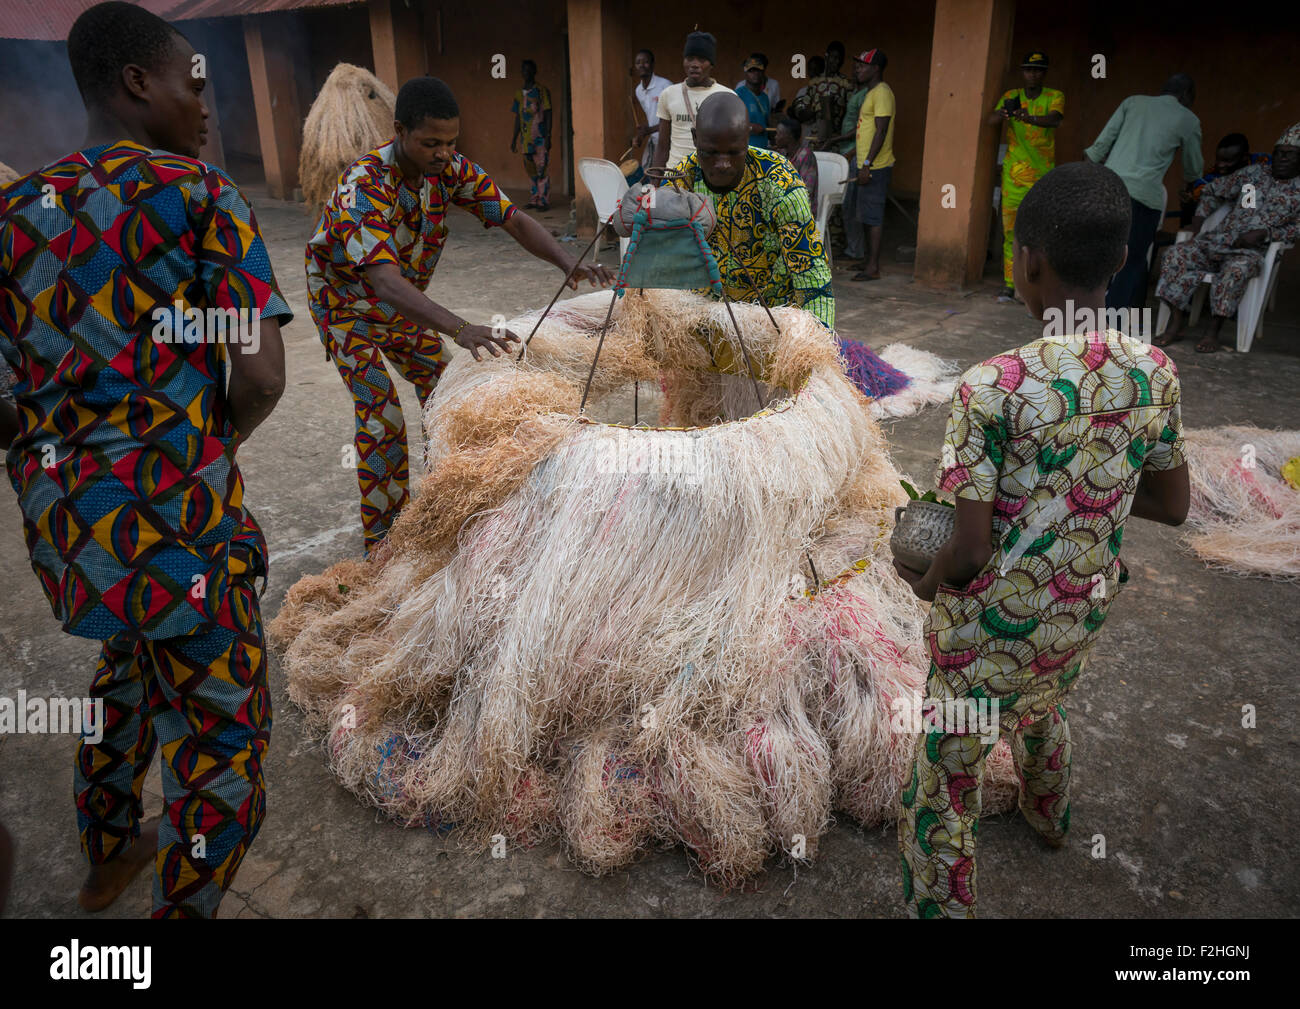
[(875, 143)]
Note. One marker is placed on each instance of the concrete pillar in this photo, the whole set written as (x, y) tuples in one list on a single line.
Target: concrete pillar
[(598, 89), (271, 61), (972, 43), (397, 39)]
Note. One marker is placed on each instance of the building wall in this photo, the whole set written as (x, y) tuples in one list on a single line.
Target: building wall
[(336, 35), (1243, 69), (41, 115), (221, 40), (463, 57)]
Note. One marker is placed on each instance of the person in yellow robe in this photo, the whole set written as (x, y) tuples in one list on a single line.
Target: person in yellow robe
[(1031, 115)]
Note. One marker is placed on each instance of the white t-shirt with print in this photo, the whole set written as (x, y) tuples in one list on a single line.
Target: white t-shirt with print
[(672, 107)]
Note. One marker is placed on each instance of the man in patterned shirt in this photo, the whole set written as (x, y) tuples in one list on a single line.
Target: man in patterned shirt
[(766, 239), (826, 95), (1049, 450), (369, 262), (120, 267)]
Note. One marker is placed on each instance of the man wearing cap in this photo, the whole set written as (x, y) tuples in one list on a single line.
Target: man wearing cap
[(770, 85), (875, 157), (1031, 115), (756, 99), (1138, 144), (1234, 251), (679, 103)]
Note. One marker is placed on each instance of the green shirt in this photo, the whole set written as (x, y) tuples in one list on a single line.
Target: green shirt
[(850, 123), (1139, 142)]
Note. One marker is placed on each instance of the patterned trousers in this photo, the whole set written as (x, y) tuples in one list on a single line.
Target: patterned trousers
[(358, 350), (1012, 195), (1187, 262), (941, 806), (536, 163), (204, 697)]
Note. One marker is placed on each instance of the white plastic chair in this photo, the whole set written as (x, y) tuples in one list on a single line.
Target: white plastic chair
[(1261, 289), (606, 184), (832, 174)]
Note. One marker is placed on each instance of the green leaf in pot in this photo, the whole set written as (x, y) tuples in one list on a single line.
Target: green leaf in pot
[(911, 491)]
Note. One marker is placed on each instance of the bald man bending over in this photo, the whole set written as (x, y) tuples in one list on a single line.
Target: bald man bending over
[(766, 239)]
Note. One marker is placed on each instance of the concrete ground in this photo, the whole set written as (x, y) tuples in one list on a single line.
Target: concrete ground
[(1196, 812)]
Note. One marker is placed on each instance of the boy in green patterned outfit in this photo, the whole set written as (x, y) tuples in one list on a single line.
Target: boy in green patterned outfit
[(1048, 451)]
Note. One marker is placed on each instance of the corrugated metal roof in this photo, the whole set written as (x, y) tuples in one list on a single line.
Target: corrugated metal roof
[(50, 20)]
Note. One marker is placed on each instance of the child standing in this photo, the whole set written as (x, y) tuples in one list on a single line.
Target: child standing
[(1048, 451)]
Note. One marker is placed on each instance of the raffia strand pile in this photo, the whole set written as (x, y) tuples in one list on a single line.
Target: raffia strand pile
[(1245, 516), (604, 633)]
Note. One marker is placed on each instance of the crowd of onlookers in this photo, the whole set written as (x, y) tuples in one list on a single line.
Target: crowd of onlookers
[(854, 115), (1139, 143)]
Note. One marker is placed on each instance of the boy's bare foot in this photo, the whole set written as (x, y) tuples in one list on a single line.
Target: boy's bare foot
[(1208, 345), (1167, 337), (106, 882)]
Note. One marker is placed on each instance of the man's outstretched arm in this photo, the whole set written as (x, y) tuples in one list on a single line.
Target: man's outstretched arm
[(541, 243), (411, 303)]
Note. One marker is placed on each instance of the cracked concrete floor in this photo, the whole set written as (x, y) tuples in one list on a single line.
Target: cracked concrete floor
[(1196, 811)]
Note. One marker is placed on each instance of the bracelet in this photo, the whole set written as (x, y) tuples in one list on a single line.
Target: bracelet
[(458, 329)]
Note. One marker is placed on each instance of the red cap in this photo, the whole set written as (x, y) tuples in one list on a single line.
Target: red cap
[(870, 56)]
